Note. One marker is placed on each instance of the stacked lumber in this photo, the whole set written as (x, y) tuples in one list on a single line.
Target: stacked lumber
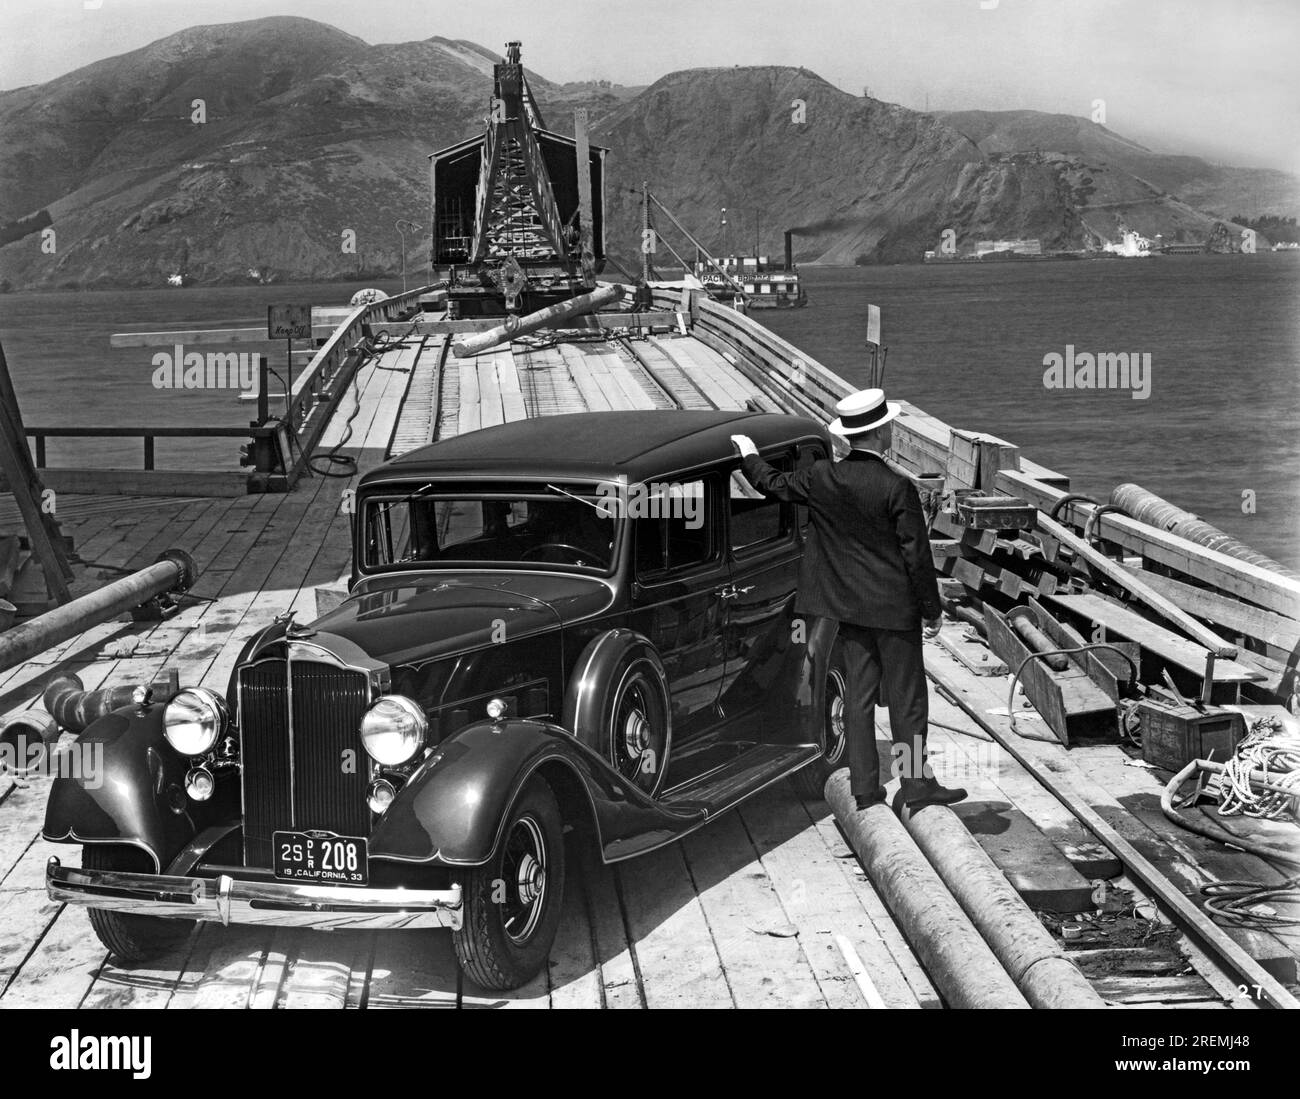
[(1176, 600)]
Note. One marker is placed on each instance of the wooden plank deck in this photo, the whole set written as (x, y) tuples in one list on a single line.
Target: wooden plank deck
[(750, 912), (746, 914)]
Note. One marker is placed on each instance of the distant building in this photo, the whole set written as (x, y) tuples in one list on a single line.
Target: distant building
[(1017, 247), (1131, 244)]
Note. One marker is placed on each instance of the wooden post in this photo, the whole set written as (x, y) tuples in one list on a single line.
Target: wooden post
[(16, 463), (586, 251), (263, 397), (873, 342)]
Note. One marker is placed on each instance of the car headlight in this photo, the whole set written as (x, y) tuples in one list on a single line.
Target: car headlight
[(194, 720), (393, 729)]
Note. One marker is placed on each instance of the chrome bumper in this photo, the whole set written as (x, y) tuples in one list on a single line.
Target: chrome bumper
[(229, 900)]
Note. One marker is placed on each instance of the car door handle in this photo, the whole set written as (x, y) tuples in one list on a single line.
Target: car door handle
[(733, 592)]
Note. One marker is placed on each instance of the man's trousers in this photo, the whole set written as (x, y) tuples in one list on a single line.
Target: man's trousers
[(889, 665)]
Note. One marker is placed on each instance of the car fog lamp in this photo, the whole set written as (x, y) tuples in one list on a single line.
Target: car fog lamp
[(496, 709), (193, 720), (393, 729), (199, 784), (381, 795)]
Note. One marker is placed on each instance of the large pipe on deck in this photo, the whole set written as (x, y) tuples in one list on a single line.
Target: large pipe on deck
[(521, 326), (25, 740), (1146, 507), (75, 709), (789, 249), (1036, 641), (173, 572), (1029, 954), (956, 959)]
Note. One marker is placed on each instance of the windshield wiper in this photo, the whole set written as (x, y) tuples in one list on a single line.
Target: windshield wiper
[(571, 496), (385, 508)]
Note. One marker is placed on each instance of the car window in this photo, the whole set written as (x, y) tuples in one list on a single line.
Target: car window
[(672, 530), (755, 519), (493, 528)]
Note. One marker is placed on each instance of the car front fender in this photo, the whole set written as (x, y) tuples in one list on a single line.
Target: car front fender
[(453, 809), (121, 782)]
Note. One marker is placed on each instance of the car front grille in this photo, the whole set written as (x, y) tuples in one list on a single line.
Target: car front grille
[(305, 770)]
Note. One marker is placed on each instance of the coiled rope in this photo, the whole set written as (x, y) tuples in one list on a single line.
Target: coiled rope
[(1268, 747)]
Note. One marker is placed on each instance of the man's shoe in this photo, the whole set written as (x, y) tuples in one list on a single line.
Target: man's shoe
[(866, 801), (918, 792)]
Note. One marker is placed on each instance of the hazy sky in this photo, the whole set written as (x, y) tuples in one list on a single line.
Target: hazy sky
[(1218, 78)]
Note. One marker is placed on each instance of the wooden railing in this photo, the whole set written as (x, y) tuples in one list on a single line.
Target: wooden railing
[(924, 445), (146, 434), (316, 391)]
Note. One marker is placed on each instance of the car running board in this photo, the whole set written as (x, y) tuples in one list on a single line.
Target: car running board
[(735, 780)]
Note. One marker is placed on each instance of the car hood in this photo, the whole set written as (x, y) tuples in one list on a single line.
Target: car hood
[(405, 619)]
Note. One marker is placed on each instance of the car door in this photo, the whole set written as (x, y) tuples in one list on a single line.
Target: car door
[(765, 542), (680, 576)]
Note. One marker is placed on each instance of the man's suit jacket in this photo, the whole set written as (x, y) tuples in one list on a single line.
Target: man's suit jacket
[(867, 560)]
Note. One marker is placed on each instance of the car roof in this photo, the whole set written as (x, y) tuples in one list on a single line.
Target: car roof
[(593, 445)]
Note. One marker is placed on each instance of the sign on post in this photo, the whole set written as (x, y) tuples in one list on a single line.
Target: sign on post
[(873, 324), (288, 322)]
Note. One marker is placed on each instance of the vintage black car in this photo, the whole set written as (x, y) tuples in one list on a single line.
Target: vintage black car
[(576, 621)]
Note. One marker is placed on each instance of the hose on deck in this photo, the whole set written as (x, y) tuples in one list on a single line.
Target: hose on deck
[(1015, 678)]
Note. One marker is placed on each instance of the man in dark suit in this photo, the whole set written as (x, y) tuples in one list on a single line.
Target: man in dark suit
[(867, 565)]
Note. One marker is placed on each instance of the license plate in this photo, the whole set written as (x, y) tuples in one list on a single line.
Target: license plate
[(320, 857)]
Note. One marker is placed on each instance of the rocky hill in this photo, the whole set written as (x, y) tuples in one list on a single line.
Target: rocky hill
[(304, 132), (1215, 189)]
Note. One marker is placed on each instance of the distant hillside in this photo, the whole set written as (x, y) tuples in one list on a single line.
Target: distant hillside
[(310, 132), (1218, 190), (860, 179)]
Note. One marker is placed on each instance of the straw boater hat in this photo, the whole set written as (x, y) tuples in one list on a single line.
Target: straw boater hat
[(863, 410)]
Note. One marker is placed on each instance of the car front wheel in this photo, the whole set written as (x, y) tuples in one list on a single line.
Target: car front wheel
[(128, 936), (512, 903)]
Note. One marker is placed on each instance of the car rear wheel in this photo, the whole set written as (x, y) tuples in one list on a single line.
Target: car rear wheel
[(810, 781), (128, 936), (639, 727), (512, 903)]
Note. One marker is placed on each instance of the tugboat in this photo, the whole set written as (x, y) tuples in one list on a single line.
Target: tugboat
[(764, 284)]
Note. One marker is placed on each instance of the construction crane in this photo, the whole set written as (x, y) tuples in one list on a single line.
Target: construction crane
[(518, 225)]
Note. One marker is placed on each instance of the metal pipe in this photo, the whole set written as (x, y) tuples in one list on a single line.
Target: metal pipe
[(959, 962), (521, 326), (173, 572), (969, 615), (1146, 507), (789, 249), (74, 708), (25, 740), (1037, 641), (1191, 919), (1029, 954)]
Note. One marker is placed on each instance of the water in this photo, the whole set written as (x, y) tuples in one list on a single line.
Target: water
[(66, 374), (966, 343)]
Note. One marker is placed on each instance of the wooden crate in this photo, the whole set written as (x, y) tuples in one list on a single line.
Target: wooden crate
[(993, 512), (1173, 736)]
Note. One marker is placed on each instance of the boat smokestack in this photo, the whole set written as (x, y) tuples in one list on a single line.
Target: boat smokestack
[(789, 249)]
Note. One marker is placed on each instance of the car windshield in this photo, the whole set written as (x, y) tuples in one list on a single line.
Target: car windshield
[(492, 527)]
